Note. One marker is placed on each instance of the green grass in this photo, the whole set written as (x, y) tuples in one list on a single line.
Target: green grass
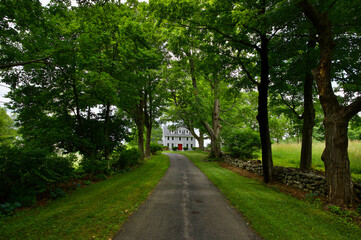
[(272, 214), (94, 212), (288, 155)]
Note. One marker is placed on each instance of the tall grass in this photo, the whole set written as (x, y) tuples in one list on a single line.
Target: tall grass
[(288, 155)]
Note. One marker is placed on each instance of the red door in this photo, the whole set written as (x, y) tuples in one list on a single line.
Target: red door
[(180, 147)]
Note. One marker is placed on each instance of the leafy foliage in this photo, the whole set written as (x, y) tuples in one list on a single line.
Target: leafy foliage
[(7, 130), (125, 158), (28, 171), (243, 143), (155, 147)]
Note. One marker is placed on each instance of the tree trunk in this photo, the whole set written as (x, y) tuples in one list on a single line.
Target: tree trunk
[(201, 140), (215, 144), (337, 164), (308, 124), (216, 126), (216, 121), (106, 126), (148, 124), (148, 140), (262, 116), (76, 98), (139, 120), (308, 114), (336, 117)]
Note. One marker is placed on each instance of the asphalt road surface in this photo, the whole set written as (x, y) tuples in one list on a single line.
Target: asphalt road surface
[(185, 205)]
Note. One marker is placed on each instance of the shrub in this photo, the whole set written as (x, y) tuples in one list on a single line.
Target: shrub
[(125, 158), (57, 193), (243, 143), (94, 166), (27, 171), (194, 148), (8, 208), (154, 148), (185, 149), (174, 148)]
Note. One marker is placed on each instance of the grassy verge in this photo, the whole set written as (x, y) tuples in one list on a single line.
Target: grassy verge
[(288, 155), (272, 214), (94, 212)]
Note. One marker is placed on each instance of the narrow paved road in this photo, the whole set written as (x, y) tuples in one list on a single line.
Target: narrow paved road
[(185, 205)]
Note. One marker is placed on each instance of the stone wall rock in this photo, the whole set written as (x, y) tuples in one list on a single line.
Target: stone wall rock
[(306, 181)]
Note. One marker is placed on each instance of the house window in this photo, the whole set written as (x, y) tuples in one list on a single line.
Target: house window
[(191, 139), (191, 145), (168, 145), (168, 138), (172, 145), (172, 138), (180, 138), (187, 138), (187, 144), (187, 132), (180, 131)]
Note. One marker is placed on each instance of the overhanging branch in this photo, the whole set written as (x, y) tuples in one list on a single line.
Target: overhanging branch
[(9, 65)]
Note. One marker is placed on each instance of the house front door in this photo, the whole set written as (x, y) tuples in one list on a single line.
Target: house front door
[(180, 147)]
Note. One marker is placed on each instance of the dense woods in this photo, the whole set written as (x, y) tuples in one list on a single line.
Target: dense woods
[(90, 82)]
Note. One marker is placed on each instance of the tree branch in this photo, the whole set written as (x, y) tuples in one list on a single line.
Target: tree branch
[(292, 108), (353, 108), (333, 3), (9, 65), (249, 74), (229, 123), (191, 129), (206, 27), (208, 128), (229, 108), (310, 12)]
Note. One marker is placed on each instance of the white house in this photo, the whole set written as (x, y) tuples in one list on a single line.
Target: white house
[(180, 138)]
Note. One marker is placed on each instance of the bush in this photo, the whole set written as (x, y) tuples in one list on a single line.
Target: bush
[(185, 149), (154, 148), (94, 166), (27, 171), (8, 208), (174, 148), (243, 143), (194, 148), (125, 158)]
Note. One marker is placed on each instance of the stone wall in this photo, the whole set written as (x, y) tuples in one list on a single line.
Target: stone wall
[(307, 181)]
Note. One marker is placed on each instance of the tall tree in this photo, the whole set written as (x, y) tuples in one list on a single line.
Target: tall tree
[(293, 81), (336, 114)]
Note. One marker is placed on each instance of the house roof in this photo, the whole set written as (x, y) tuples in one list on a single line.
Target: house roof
[(180, 132)]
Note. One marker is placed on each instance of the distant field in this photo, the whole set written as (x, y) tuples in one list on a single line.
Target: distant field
[(288, 155)]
